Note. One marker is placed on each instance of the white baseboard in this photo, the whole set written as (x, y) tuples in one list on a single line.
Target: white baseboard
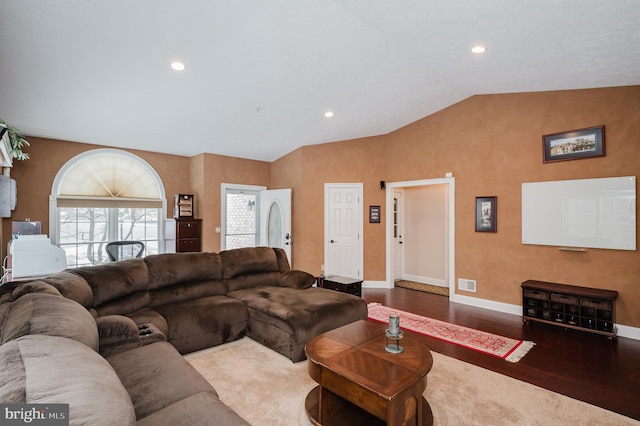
[(375, 284), (629, 332), (507, 308)]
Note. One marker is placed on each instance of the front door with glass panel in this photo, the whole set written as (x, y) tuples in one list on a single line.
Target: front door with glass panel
[(275, 215), (241, 225)]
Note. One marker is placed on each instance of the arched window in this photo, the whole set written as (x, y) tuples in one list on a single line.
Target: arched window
[(105, 195)]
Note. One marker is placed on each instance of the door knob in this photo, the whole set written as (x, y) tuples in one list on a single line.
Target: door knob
[(332, 241)]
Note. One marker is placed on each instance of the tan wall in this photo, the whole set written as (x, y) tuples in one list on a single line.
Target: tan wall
[(213, 170), (34, 178), (200, 175), (361, 160), (492, 144)]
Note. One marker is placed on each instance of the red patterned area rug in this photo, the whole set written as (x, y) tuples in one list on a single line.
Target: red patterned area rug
[(508, 349)]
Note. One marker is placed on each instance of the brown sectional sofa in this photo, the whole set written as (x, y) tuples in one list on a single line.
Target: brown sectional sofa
[(107, 339)]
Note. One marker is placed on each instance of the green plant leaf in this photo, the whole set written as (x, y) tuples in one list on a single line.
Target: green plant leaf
[(16, 141)]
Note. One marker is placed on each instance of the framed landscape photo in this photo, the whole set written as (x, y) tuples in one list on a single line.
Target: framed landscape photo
[(486, 219), (574, 145)]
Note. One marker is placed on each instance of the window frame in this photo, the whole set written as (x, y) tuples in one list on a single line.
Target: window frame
[(112, 223), (112, 209)]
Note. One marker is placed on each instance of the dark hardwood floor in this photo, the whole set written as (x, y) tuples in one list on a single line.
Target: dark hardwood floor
[(588, 367)]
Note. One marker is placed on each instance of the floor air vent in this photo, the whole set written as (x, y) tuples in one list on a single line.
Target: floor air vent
[(466, 285)]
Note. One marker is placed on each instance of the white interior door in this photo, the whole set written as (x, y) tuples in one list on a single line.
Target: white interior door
[(275, 217), (343, 228), (398, 232)]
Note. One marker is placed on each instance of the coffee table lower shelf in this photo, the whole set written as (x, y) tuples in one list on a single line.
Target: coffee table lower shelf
[(344, 412)]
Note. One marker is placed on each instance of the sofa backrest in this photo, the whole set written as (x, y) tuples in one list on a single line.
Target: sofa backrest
[(117, 287), (129, 285), (283, 260), (126, 286), (130, 275), (251, 267), (72, 286), (176, 277), (39, 311)]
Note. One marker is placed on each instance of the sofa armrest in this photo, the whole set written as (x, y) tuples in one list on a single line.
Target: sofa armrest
[(114, 329), (297, 279), (119, 333)]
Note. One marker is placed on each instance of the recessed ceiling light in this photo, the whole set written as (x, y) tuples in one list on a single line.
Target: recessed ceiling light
[(478, 49), (328, 114), (178, 66)]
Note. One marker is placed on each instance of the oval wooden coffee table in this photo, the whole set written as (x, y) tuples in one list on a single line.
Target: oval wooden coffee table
[(359, 382)]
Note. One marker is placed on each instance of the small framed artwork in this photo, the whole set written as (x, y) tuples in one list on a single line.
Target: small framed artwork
[(486, 219), (574, 145), (374, 214)]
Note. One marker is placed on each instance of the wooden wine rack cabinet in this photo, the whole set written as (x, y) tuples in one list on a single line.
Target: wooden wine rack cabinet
[(568, 306)]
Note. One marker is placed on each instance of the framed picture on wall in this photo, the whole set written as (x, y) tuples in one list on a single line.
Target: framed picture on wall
[(486, 219), (374, 214), (574, 144)]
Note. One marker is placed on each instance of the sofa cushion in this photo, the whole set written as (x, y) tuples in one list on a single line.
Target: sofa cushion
[(41, 369), (297, 279), (203, 408), (172, 268), (123, 305), (284, 319), (249, 260), (185, 291), (116, 279), (157, 377), (41, 313), (250, 281), (72, 286), (204, 322)]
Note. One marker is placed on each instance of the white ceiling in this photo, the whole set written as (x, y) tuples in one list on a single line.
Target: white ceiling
[(260, 74)]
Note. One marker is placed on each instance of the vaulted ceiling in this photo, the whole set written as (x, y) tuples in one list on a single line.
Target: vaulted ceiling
[(260, 75)]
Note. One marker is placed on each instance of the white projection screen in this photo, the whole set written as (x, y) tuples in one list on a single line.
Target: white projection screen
[(584, 213)]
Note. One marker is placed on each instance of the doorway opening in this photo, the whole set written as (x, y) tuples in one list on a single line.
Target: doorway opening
[(420, 234), (254, 216), (240, 221)]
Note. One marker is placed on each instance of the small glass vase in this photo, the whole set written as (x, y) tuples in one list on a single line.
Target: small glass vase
[(393, 335)]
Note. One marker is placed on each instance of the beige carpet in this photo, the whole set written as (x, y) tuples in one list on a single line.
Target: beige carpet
[(267, 389)]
